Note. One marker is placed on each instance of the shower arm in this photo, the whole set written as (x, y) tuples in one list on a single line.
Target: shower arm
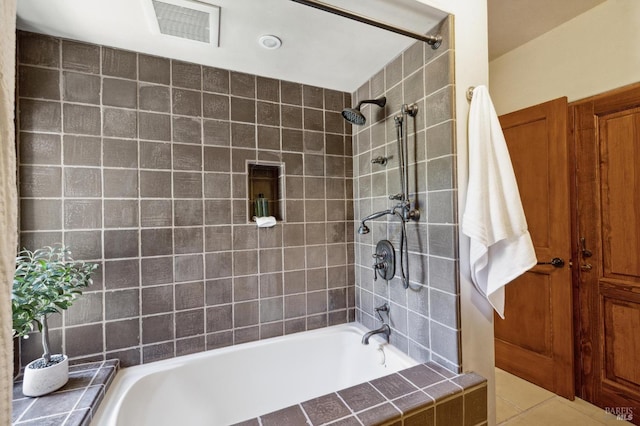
[(370, 101), (392, 211), (378, 214)]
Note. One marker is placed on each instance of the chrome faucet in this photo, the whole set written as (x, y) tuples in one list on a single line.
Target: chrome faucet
[(384, 329)]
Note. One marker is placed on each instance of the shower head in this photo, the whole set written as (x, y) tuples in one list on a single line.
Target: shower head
[(363, 229), (354, 116)]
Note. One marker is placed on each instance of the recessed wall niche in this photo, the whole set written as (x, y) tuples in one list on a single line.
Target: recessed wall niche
[(264, 190)]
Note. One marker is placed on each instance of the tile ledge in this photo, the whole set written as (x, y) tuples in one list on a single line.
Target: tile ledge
[(93, 374), (462, 384)]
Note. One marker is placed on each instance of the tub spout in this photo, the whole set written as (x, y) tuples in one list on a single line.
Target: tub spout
[(385, 329)]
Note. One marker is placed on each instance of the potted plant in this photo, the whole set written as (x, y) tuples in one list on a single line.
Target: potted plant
[(46, 281)]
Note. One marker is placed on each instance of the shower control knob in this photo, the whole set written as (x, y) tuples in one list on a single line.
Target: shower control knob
[(413, 214), (382, 266), (380, 160), (412, 109)]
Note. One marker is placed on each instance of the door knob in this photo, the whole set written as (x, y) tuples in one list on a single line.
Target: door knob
[(556, 262)]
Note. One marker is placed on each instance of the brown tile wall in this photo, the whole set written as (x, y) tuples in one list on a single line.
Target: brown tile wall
[(425, 318), (139, 163)]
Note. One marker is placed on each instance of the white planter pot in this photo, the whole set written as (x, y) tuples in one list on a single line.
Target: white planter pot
[(41, 381)]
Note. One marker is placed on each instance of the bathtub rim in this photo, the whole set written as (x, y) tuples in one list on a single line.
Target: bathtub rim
[(111, 403)]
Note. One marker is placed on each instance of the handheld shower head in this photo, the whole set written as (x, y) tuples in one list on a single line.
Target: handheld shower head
[(364, 229), (354, 116)]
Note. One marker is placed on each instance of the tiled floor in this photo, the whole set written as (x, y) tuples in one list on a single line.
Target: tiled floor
[(521, 403)]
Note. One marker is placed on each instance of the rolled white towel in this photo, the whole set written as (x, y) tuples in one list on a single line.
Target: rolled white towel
[(265, 222)]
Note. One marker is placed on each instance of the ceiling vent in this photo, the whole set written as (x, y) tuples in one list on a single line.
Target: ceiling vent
[(189, 20)]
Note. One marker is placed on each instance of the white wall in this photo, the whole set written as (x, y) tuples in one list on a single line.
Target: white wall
[(472, 69), (594, 52)]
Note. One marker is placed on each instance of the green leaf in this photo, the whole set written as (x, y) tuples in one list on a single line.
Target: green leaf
[(45, 281)]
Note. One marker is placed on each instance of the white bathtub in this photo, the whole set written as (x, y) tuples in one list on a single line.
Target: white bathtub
[(236, 383)]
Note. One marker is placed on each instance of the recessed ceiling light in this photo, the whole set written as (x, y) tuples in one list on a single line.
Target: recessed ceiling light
[(270, 42)]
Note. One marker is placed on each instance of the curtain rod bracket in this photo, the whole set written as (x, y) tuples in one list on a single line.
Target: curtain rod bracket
[(436, 43), (433, 40)]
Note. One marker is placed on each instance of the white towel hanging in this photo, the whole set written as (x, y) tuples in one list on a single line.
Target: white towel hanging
[(501, 248)]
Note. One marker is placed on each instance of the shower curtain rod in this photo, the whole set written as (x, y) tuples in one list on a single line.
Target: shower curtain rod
[(433, 41)]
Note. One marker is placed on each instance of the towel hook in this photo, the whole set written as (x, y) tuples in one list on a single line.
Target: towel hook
[(470, 92)]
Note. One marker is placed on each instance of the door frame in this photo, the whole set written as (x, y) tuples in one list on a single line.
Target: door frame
[(582, 126)]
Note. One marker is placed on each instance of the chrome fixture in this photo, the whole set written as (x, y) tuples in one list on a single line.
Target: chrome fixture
[(433, 41), (403, 150), (403, 209), (384, 329), (364, 229), (380, 160), (469, 92), (385, 261), (354, 116)]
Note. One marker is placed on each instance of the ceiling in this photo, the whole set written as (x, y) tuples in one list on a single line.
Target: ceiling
[(318, 48), (515, 22)]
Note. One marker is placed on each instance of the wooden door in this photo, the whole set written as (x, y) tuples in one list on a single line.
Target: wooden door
[(535, 340), (607, 144)]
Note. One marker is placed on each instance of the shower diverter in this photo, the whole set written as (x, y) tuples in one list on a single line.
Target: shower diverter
[(385, 261)]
